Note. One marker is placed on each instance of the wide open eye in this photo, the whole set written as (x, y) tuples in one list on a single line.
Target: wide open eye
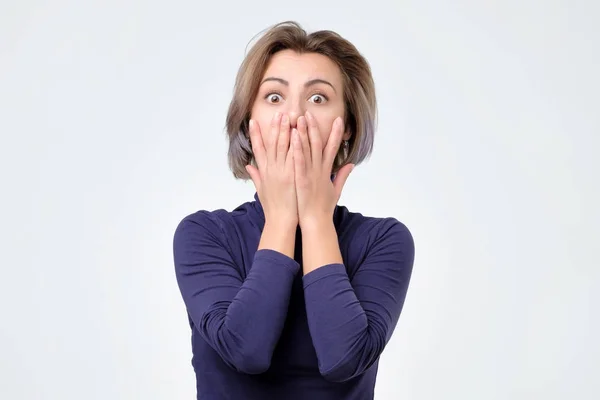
[(273, 98), (318, 99)]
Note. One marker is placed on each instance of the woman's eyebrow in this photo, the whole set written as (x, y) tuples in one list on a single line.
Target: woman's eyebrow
[(307, 84)]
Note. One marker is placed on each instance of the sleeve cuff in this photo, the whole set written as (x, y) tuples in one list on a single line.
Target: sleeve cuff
[(324, 272), (275, 257)]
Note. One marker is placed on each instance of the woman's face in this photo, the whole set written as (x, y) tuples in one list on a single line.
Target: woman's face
[(296, 83)]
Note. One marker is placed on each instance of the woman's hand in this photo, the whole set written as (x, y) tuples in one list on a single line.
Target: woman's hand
[(313, 162), (274, 178)]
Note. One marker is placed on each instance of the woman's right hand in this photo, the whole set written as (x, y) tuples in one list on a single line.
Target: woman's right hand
[(274, 178)]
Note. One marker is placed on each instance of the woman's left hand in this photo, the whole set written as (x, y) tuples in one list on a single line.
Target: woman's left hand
[(313, 161)]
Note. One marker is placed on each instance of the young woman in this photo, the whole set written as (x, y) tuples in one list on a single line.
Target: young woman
[(292, 296)]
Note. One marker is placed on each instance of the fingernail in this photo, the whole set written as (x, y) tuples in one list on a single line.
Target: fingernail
[(309, 116), (285, 119), (277, 114), (251, 124)]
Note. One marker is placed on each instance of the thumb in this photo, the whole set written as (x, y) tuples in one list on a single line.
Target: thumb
[(340, 178), (254, 175)]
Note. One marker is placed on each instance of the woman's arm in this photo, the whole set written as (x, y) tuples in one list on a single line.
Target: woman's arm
[(351, 321), (241, 319)]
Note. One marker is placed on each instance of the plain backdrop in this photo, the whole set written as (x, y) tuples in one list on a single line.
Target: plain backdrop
[(112, 119)]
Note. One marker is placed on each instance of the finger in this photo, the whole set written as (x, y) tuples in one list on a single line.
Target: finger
[(283, 143), (273, 135), (289, 158), (314, 136), (303, 134), (254, 175), (333, 143), (299, 156), (258, 147), (340, 178)]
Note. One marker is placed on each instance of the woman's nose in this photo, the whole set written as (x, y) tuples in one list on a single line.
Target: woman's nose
[(294, 112)]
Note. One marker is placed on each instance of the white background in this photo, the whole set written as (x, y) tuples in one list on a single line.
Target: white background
[(112, 119)]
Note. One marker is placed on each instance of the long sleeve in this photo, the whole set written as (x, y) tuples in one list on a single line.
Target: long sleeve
[(351, 321), (241, 319)]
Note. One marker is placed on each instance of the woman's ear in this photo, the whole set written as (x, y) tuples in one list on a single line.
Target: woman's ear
[(347, 132)]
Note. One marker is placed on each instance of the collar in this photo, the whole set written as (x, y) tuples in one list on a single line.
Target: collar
[(257, 206)]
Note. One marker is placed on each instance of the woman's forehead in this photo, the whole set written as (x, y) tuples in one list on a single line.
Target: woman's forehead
[(290, 65)]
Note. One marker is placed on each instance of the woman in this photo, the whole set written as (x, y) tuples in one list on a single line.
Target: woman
[(291, 296)]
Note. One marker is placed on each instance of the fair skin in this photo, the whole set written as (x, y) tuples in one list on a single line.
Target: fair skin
[(296, 129)]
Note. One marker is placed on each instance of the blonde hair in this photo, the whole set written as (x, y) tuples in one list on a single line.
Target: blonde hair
[(359, 91)]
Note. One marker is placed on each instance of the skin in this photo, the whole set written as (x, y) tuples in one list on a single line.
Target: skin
[(296, 128)]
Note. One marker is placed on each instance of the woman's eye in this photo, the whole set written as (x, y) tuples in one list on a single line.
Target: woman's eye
[(318, 99), (273, 98)]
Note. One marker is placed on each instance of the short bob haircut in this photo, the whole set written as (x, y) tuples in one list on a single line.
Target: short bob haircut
[(359, 91)]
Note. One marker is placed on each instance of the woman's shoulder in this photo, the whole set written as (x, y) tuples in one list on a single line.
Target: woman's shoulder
[(201, 223), (204, 218), (364, 237), (218, 223), (368, 227)]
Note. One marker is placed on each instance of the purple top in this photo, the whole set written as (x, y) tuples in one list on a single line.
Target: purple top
[(263, 330)]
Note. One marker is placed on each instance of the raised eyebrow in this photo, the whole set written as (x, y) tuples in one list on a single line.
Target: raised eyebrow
[(317, 81), (282, 81), (307, 84)]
